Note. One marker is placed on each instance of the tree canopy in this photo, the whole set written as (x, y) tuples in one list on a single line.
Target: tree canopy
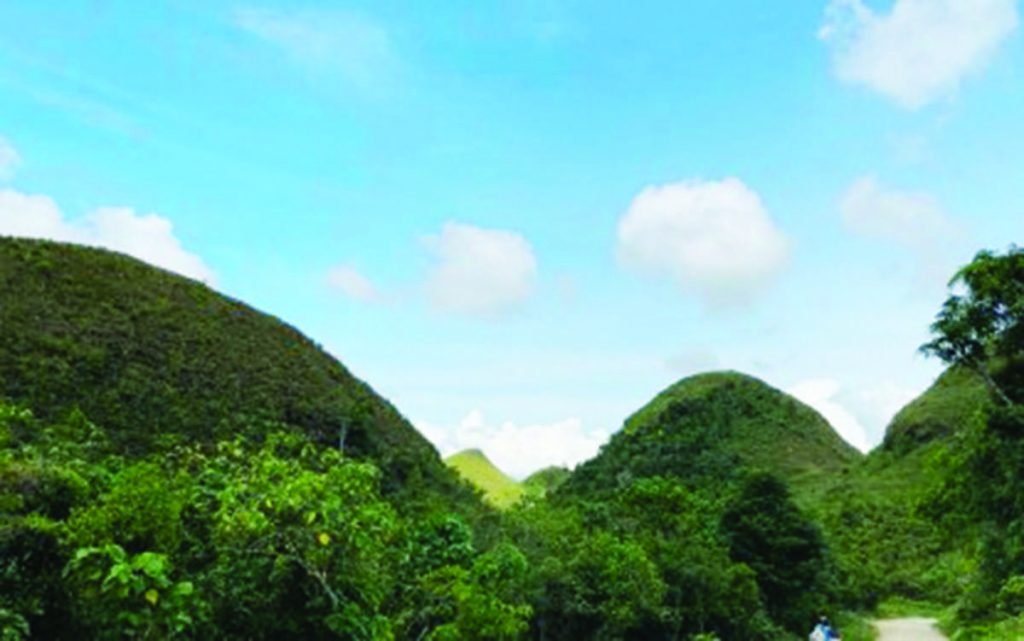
[(983, 320)]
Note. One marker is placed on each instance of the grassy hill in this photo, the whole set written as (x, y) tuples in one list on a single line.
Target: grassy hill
[(154, 357), (543, 482), (956, 398), (876, 518), (706, 428), (499, 489)]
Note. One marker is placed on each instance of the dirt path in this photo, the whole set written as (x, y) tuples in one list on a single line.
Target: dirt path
[(908, 630)]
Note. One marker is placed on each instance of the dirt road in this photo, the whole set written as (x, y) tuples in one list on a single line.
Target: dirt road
[(908, 630)]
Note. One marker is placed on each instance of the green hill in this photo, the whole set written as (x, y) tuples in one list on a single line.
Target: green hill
[(878, 519), (948, 405), (498, 489), (154, 357), (706, 428), (543, 482)]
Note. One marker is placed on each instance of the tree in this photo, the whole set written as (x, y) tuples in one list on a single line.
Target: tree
[(766, 530), (487, 602), (986, 320), (981, 328)]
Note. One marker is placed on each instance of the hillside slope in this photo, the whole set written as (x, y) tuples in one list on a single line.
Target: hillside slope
[(474, 466), (955, 399), (544, 481), (706, 428), (152, 357), (878, 519)]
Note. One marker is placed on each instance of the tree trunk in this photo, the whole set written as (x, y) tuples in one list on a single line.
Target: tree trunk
[(982, 370)]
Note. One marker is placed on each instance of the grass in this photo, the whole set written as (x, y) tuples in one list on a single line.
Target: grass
[(856, 627), (499, 489), (898, 608), (1009, 630)]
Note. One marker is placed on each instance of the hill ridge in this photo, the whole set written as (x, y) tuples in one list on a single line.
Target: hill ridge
[(707, 427), (151, 355)]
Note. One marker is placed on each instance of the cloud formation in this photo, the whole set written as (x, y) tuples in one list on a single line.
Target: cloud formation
[(519, 450), (912, 220), (147, 237), (350, 43), (921, 50), (479, 272), (9, 159), (715, 238), (351, 282), (821, 395)]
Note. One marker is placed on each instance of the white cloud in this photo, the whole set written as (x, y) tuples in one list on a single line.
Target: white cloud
[(912, 220), (715, 238), (9, 159), (519, 450), (147, 237), (821, 395), (878, 404), (352, 283), (350, 43), (482, 272), (921, 50)]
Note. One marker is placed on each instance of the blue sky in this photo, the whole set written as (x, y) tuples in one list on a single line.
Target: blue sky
[(520, 221)]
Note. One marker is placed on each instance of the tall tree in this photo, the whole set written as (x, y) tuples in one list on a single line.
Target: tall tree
[(767, 531), (984, 318)]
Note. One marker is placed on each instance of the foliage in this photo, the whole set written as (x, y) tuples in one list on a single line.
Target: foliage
[(256, 539), (986, 321), (487, 599), (766, 531), (130, 595), (981, 497)]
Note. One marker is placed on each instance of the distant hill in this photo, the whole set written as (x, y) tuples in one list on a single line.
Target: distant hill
[(543, 482), (956, 398), (153, 357), (706, 428), (474, 466)]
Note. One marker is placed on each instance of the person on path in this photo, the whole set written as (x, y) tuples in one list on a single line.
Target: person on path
[(823, 631)]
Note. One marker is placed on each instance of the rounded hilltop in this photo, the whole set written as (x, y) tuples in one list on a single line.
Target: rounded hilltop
[(154, 357), (707, 428)]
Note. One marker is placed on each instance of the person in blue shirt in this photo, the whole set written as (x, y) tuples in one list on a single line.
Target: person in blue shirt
[(824, 632)]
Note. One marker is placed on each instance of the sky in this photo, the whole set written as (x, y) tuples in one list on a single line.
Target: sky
[(519, 221)]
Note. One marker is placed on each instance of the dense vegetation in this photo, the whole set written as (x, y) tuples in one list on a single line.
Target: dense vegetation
[(267, 538), (707, 430), (156, 359), (174, 464), (936, 514), (980, 500)]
